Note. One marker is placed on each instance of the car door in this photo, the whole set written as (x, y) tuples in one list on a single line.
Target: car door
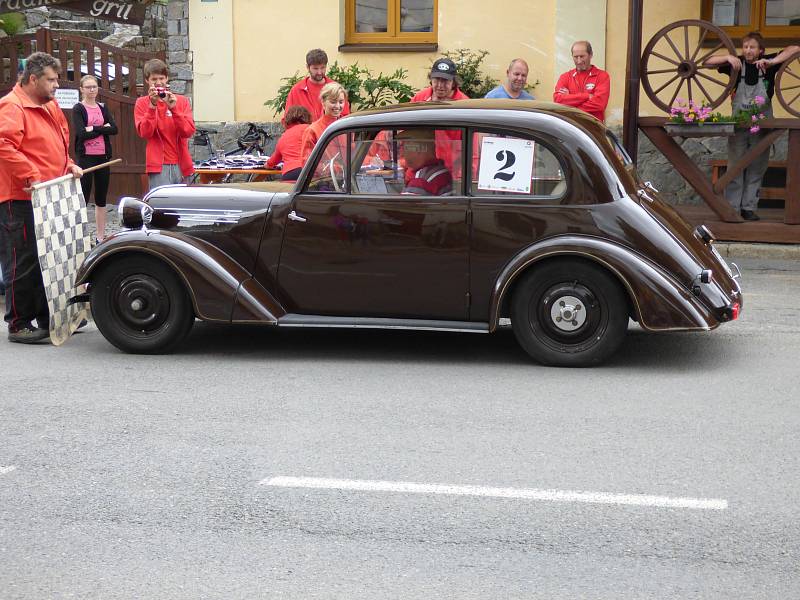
[(356, 245)]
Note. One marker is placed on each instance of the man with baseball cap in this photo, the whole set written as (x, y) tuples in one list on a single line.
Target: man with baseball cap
[(444, 85)]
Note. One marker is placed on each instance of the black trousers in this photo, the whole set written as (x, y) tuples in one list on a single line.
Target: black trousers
[(100, 178), (25, 297)]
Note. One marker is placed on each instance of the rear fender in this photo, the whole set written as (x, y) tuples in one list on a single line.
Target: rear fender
[(659, 302), (220, 288)]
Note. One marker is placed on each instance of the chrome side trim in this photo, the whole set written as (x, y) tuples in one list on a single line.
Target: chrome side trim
[(295, 320)]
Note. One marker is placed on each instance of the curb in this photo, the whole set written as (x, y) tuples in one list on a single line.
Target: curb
[(748, 250)]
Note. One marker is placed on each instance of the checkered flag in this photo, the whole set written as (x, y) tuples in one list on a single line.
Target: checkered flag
[(62, 242)]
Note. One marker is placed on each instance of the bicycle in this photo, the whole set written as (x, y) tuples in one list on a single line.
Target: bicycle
[(251, 143)]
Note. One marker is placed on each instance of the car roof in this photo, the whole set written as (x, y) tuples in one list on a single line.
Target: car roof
[(574, 115)]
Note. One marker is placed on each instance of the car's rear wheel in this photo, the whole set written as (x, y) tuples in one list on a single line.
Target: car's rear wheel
[(140, 305), (569, 313)]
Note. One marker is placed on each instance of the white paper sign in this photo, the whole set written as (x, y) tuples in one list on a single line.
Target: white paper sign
[(506, 165), (67, 98)]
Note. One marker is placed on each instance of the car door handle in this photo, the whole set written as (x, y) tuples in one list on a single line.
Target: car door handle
[(293, 216)]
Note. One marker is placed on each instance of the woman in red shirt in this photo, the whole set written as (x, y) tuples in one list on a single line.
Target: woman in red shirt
[(332, 97), (288, 151)]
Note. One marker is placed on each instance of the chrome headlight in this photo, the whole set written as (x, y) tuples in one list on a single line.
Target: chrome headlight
[(133, 213)]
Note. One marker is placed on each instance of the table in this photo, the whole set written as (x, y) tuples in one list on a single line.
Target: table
[(216, 175)]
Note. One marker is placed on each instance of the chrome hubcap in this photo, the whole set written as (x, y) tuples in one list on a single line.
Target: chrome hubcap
[(568, 313)]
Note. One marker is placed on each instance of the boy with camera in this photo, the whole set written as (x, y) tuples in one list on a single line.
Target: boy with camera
[(165, 120)]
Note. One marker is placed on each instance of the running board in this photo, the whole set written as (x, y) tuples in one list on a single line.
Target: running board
[(295, 320)]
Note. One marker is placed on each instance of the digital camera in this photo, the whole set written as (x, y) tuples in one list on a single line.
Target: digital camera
[(162, 91)]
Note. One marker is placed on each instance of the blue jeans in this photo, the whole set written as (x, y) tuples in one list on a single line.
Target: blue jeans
[(25, 297)]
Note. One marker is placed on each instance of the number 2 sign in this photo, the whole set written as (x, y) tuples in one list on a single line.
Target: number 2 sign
[(506, 165)]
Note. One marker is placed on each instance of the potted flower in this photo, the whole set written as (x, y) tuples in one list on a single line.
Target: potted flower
[(689, 119), (751, 115)]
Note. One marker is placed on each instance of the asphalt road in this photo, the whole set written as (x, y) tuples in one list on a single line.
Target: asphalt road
[(150, 477)]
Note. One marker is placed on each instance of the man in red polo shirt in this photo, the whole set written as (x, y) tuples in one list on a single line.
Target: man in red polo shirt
[(34, 147), (585, 87), (306, 91)]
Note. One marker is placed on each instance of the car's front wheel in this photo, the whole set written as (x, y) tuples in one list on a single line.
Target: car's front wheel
[(569, 313), (140, 305)]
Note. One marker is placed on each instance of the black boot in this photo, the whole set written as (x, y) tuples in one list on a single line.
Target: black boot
[(750, 215)]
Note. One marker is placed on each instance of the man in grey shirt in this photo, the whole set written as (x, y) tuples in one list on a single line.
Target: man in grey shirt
[(514, 86)]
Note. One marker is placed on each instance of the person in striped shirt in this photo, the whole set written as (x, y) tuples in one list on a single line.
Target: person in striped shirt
[(427, 174)]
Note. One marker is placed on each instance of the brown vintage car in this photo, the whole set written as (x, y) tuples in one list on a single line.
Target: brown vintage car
[(435, 216)]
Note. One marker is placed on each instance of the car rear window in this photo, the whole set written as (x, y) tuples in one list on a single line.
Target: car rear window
[(509, 165)]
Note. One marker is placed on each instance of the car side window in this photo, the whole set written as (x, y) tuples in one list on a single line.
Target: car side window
[(329, 173), (507, 165), (416, 161)]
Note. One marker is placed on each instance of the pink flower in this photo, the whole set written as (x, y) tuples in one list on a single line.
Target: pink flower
[(755, 129), (759, 99)]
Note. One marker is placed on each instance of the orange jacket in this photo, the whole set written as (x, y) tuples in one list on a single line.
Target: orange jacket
[(301, 94), (34, 143), (288, 150), (147, 117), (312, 133), (588, 90)]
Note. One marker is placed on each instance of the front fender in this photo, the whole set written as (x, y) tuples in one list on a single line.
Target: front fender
[(659, 301), (216, 283)]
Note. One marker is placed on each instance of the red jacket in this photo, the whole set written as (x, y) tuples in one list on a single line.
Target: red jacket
[(588, 90), (425, 94), (300, 94), (34, 143), (147, 117), (289, 150)]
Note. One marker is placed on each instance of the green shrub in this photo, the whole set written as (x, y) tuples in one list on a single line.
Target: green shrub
[(364, 90), (278, 103), (473, 82), (13, 23)]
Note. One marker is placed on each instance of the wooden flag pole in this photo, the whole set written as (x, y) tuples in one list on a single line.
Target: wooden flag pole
[(39, 186), (102, 165)]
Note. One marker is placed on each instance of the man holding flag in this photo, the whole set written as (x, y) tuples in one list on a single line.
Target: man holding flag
[(34, 147)]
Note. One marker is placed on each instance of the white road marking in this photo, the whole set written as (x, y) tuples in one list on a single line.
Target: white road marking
[(4, 470), (403, 487)]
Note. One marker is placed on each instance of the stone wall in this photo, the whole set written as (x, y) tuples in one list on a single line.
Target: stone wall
[(149, 37), (179, 57), (653, 166)]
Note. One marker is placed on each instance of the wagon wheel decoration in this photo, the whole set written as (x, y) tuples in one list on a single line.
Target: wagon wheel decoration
[(787, 85), (673, 61)]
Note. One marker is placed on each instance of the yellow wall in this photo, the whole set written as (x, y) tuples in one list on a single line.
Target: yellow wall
[(211, 44), (271, 43), (243, 47)]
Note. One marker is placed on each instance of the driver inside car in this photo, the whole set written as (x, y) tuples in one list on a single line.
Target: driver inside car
[(426, 174)]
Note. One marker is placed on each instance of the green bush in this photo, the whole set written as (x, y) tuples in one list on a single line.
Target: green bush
[(473, 82), (13, 23), (278, 103), (364, 90)]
